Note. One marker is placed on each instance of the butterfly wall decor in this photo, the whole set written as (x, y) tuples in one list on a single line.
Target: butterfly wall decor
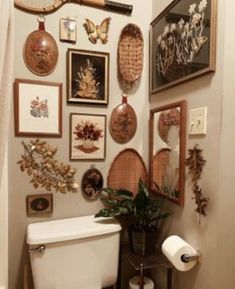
[(96, 32)]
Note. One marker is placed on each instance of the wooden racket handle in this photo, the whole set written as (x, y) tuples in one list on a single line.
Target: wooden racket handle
[(118, 7), (109, 5), (98, 3)]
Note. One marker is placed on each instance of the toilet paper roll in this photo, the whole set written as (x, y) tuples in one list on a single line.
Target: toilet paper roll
[(174, 247), (134, 283)]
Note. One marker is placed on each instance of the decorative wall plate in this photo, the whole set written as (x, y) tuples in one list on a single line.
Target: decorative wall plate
[(123, 122), (92, 183), (130, 53), (126, 170), (40, 51)]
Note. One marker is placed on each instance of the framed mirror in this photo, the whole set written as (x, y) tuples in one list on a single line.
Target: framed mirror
[(167, 151)]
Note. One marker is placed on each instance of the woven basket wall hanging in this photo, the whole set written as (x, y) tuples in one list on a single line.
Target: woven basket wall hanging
[(126, 170), (130, 53)]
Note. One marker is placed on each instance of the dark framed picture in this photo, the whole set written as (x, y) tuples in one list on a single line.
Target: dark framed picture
[(182, 43), (87, 77), (39, 204), (92, 184), (87, 136), (68, 30), (38, 108)]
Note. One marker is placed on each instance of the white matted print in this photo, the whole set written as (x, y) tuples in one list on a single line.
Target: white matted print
[(68, 30), (87, 136), (38, 108)]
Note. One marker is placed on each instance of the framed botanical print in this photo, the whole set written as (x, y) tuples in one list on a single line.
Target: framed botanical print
[(182, 43), (87, 136), (38, 108), (87, 77)]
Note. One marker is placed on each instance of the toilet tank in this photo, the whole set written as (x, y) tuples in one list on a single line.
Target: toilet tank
[(74, 253)]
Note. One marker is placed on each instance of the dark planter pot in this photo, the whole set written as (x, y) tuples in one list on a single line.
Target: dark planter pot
[(142, 241)]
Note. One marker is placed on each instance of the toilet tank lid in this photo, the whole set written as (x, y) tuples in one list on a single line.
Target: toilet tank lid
[(70, 229)]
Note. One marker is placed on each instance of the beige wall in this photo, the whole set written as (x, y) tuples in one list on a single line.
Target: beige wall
[(72, 204), (216, 270)]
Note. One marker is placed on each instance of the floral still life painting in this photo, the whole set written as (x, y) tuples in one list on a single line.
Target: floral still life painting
[(37, 108), (182, 42), (87, 136), (87, 77)]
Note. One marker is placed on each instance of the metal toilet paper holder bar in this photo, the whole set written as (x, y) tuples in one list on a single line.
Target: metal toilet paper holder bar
[(186, 258)]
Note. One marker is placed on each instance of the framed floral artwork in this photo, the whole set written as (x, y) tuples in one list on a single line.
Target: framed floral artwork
[(182, 43), (87, 136), (37, 108), (87, 77)]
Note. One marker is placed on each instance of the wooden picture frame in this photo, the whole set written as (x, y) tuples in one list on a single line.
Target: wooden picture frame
[(37, 108), (39, 204), (167, 151), (87, 77), (68, 30), (87, 136), (182, 43)]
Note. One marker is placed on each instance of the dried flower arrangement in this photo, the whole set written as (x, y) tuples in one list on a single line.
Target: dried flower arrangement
[(46, 172), (195, 163), (87, 86), (180, 42), (88, 131)]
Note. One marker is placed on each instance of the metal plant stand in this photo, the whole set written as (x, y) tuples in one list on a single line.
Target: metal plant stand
[(157, 260)]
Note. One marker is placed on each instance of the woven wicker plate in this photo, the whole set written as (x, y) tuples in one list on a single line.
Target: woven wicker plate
[(130, 53), (126, 170), (160, 162)]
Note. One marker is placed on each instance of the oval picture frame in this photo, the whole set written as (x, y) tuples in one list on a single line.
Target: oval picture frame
[(92, 184)]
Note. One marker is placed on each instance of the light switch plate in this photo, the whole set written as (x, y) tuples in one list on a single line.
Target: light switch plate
[(197, 124)]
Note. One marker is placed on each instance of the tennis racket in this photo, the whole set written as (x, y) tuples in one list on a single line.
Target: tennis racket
[(47, 6)]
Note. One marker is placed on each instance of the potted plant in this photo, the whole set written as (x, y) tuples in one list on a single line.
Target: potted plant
[(143, 210)]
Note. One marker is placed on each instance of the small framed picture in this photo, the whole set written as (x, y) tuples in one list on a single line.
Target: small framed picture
[(38, 108), (68, 30), (87, 77), (87, 136), (92, 184), (39, 204)]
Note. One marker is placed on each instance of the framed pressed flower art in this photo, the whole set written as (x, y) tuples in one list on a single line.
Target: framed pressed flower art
[(87, 76), (182, 43), (87, 136), (38, 108)]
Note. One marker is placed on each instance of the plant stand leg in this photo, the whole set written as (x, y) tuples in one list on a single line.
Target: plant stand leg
[(141, 280), (169, 278)]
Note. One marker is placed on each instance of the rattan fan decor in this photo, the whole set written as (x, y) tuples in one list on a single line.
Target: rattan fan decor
[(126, 170), (130, 53), (160, 161)]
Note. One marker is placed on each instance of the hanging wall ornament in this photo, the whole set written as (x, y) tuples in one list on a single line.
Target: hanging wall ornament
[(92, 183), (96, 32), (123, 122), (130, 53), (40, 50)]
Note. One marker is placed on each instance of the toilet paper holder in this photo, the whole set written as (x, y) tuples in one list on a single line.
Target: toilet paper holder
[(186, 258)]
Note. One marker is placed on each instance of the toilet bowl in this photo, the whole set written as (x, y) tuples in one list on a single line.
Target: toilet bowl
[(74, 253)]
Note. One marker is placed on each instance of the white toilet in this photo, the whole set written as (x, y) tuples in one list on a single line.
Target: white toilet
[(74, 253)]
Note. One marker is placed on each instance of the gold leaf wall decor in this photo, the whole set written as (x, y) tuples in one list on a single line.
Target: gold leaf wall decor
[(46, 172)]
